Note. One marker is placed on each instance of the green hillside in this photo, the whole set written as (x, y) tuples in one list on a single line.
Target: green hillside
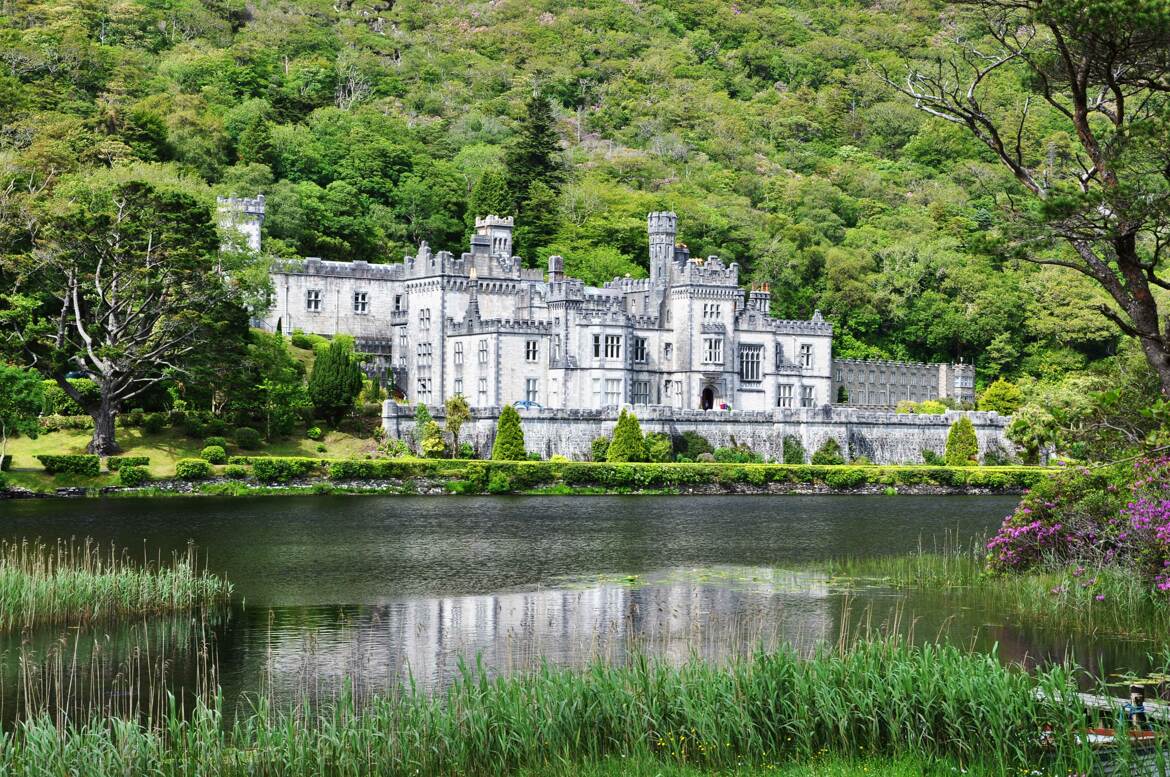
[(765, 125)]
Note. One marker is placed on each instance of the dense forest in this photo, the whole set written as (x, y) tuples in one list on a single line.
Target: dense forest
[(371, 126)]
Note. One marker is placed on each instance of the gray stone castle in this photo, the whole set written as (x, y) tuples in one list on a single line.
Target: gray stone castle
[(479, 324)]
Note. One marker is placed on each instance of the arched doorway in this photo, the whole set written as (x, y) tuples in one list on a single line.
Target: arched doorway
[(707, 399)]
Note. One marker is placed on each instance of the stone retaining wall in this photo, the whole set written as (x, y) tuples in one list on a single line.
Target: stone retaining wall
[(883, 437)]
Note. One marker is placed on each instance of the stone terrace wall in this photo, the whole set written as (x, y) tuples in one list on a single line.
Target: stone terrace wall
[(883, 437)]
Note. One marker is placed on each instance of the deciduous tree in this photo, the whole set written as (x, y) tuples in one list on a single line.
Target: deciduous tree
[(20, 403)]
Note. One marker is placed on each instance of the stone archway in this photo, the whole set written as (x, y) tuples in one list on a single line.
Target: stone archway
[(707, 398)]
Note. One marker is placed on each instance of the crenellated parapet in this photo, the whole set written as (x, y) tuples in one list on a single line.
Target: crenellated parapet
[(359, 269)]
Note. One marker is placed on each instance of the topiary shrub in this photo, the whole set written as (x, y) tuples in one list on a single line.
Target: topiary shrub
[(247, 438), (75, 464), (627, 444), (215, 454), (283, 469), (598, 448), (793, 450), (216, 427), (220, 441), (235, 471), (117, 463), (133, 476), (153, 423), (829, 453), (192, 469), (314, 433), (962, 444), (509, 442)]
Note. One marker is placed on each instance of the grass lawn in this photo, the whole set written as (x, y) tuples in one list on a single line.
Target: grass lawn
[(164, 449)]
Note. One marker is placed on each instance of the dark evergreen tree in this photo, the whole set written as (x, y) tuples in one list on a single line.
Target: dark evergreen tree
[(336, 379), (509, 442), (536, 153), (628, 443), (490, 196), (539, 220)]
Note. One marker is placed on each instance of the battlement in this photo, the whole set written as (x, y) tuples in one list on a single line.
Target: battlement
[(491, 220), (664, 222), (314, 266)]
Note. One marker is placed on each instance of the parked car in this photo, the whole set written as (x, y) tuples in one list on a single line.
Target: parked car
[(527, 404)]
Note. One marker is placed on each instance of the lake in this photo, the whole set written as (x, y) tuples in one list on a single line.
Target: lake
[(374, 591)]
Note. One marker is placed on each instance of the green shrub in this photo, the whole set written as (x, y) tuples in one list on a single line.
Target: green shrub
[(214, 454), (659, 447), (627, 444), (932, 459), (133, 476), (793, 450), (466, 450), (692, 445), (847, 477), (828, 453), (154, 423), (57, 402), (216, 440), (962, 444), (738, 454), (244, 461), (499, 483), (272, 469), (135, 418), (215, 426), (235, 472), (57, 423), (73, 464), (598, 448), (247, 438), (1002, 396), (192, 469), (314, 433), (177, 418), (509, 442), (117, 463)]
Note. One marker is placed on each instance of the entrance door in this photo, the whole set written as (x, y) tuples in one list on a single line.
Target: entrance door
[(707, 401)]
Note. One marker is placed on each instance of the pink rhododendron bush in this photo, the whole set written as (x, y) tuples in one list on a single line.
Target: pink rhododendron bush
[(1112, 516)]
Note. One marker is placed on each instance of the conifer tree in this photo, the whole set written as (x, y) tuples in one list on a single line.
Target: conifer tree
[(628, 443), (336, 379), (536, 153), (539, 220), (962, 444), (490, 196), (509, 442)]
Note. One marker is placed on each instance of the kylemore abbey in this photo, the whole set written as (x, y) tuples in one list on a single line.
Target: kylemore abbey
[(482, 325)]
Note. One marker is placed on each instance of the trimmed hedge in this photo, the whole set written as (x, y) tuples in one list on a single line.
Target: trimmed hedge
[(117, 463), (503, 476), (77, 464), (133, 475), (214, 454), (57, 423), (273, 469), (192, 469)]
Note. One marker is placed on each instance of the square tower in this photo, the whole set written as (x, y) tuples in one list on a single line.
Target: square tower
[(662, 228), (498, 230)]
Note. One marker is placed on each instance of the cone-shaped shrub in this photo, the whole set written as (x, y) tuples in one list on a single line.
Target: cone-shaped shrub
[(962, 445), (509, 444), (628, 444), (336, 379)]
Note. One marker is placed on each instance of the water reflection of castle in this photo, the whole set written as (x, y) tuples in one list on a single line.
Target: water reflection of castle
[(428, 637)]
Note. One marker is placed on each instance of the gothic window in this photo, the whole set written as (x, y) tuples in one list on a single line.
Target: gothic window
[(424, 318), (530, 350), (556, 346), (779, 355), (597, 392), (596, 346), (458, 354), (458, 386), (613, 391), (361, 303), (712, 311), (806, 356), (397, 302), (613, 346), (640, 349), (424, 353), (712, 350), (530, 392), (784, 395), (750, 357), (313, 300), (641, 392), (483, 353), (668, 351), (483, 391), (402, 349), (423, 394), (808, 395)]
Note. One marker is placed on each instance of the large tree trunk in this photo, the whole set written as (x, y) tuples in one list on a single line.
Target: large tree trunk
[(1158, 355), (104, 442)]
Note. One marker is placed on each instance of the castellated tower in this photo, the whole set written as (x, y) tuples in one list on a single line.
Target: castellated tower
[(663, 227), (499, 230), (245, 215)]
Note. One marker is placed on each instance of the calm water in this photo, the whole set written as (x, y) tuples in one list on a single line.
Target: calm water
[(381, 589)]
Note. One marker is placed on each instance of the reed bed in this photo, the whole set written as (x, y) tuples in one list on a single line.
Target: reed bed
[(883, 699), (1103, 599), (83, 582)]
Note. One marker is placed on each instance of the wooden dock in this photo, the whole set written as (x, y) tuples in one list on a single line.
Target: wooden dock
[(1155, 710)]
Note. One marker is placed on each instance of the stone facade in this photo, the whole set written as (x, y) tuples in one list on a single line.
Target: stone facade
[(483, 326), (881, 436)]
